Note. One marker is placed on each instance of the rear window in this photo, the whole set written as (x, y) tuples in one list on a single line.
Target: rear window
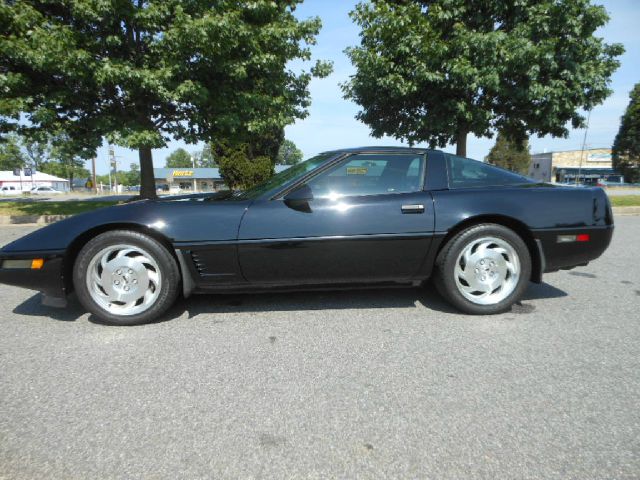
[(468, 173)]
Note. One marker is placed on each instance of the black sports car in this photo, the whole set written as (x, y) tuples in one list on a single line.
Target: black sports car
[(346, 218)]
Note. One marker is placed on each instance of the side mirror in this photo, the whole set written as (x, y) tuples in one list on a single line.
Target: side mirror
[(301, 194), (299, 198)]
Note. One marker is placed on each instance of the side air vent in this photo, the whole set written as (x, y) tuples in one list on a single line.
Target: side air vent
[(197, 261)]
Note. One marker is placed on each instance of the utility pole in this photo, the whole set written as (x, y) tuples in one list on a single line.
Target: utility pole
[(93, 175), (109, 171), (112, 164), (584, 143)]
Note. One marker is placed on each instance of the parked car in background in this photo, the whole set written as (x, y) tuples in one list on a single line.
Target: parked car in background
[(10, 190), (344, 219), (45, 191)]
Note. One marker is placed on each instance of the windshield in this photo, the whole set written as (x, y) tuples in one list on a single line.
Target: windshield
[(285, 176)]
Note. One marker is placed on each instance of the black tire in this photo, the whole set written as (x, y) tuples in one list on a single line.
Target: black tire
[(169, 273), (444, 277)]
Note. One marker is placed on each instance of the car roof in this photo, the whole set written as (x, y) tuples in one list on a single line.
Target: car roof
[(381, 149)]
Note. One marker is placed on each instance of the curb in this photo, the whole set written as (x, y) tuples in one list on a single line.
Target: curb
[(30, 219)]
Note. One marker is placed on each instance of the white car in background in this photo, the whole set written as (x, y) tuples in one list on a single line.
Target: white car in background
[(10, 190), (45, 191)]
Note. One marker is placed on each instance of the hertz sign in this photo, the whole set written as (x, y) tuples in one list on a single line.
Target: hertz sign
[(183, 173)]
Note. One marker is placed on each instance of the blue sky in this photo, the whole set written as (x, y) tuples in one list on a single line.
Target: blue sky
[(331, 123)]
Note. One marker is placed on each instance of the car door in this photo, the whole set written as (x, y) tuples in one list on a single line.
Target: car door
[(369, 221)]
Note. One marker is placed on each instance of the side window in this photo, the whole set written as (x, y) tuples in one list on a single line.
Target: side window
[(370, 174), (468, 173)]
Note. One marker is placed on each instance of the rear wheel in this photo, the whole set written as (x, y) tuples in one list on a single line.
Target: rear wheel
[(126, 278), (483, 269)]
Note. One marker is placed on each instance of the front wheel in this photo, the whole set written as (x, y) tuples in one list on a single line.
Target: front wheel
[(126, 278), (483, 269)]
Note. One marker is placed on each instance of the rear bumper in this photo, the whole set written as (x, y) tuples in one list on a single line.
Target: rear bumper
[(559, 256), (49, 279)]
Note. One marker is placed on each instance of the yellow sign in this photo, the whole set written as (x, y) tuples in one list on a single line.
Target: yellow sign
[(183, 173), (357, 170)]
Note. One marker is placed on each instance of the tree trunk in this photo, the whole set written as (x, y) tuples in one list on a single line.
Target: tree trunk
[(147, 180), (461, 143)]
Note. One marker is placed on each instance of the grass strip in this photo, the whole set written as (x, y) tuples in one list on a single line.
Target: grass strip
[(625, 200), (70, 207)]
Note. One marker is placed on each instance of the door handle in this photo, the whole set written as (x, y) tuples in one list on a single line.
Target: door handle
[(414, 208)]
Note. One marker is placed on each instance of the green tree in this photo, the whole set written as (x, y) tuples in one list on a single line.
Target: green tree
[(289, 154), (204, 158), (10, 154), (142, 72), (37, 151), (239, 168), (64, 163), (179, 158), (436, 70), (626, 146), (102, 180), (257, 155), (132, 177), (511, 155)]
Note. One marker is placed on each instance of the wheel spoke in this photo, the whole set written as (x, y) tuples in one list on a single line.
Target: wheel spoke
[(467, 256), (153, 277), (124, 252), (95, 276)]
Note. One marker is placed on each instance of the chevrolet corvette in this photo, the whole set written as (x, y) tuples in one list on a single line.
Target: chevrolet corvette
[(352, 218)]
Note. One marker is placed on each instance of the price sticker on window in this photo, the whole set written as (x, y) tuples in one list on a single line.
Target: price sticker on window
[(357, 170)]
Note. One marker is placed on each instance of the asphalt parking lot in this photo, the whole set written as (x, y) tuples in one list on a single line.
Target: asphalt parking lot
[(368, 384)]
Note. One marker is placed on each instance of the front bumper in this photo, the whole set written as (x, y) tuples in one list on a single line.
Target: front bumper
[(560, 256), (49, 279)]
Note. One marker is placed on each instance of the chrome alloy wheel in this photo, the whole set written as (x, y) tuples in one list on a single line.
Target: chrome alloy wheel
[(124, 279), (487, 271)]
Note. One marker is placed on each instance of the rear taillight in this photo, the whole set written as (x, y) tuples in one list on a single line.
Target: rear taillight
[(581, 237)]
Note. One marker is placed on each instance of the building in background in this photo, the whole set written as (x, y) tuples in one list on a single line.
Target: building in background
[(588, 166), (193, 179), (38, 179)]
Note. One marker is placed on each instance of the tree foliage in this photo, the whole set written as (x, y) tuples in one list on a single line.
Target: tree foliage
[(239, 168), (179, 158), (10, 154), (37, 150), (139, 73), (626, 146), (435, 70), (43, 154), (256, 154), (289, 154), (70, 169), (62, 160), (132, 177), (204, 158), (510, 154)]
